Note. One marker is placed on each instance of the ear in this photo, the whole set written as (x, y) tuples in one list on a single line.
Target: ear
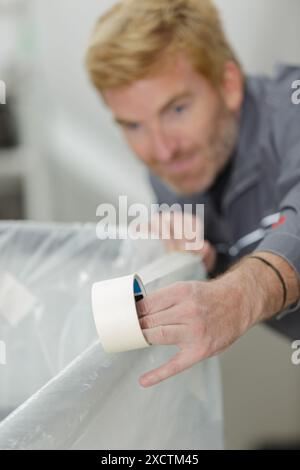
[(233, 86)]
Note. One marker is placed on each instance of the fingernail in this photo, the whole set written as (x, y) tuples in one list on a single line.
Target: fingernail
[(145, 382)]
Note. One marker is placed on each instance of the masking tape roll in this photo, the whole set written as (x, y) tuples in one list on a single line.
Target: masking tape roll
[(115, 313)]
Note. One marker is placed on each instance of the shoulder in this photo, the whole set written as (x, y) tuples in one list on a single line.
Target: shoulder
[(276, 91), (280, 109), (282, 86)]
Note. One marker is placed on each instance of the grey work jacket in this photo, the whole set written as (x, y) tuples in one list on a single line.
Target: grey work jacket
[(255, 203)]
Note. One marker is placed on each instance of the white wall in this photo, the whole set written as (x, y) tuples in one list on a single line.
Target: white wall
[(83, 144), (263, 32)]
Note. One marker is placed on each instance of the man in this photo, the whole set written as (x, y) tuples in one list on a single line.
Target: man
[(210, 135)]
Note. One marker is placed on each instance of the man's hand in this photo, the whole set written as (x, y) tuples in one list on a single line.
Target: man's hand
[(172, 222), (204, 318), (201, 318)]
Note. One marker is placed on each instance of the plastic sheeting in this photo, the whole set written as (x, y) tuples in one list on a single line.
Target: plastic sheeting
[(59, 389)]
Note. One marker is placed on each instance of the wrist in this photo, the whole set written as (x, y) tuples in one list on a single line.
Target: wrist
[(270, 281), (266, 289), (251, 279), (281, 282), (239, 285)]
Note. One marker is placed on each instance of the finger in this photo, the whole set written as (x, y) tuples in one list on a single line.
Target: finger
[(177, 364), (208, 256), (151, 304), (172, 316), (171, 245), (160, 225), (165, 335), (163, 299), (156, 302), (166, 224), (175, 245)]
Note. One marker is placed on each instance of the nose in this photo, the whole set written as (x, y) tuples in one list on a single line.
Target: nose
[(163, 145)]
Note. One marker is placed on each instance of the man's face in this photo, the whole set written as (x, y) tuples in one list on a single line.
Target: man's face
[(178, 125)]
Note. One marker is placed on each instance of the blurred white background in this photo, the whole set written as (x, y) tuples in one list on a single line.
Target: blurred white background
[(72, 158)]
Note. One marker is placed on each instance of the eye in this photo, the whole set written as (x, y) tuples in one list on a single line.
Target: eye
[(180, 108), (132, 127)]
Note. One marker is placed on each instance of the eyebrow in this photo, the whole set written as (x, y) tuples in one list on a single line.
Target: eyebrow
[(165, 107)]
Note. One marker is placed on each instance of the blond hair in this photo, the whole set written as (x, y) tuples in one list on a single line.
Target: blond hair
[(135, 38)]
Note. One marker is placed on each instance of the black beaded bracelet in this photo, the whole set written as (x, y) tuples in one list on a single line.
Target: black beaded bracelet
[(279, 275)]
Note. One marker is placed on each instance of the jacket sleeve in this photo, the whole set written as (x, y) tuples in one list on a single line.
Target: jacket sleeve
[(284, 238)]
